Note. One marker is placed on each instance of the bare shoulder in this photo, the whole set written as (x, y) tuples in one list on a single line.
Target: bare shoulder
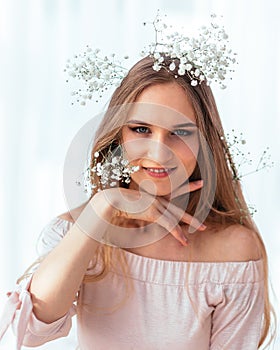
[(72, 214), (239, 243), (233, 243)]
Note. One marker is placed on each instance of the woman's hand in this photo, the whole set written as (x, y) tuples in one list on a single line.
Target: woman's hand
[(138, 205)]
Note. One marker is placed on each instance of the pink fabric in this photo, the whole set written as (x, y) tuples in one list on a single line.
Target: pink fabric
[(221, 309), (18, 300)]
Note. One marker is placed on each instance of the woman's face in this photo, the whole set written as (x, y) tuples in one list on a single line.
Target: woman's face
[(161, 137)]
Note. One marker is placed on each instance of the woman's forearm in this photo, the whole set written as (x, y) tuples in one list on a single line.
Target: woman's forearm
[(56, 281)]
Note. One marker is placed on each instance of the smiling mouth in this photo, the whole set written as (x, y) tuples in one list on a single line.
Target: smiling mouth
[(159, 172)]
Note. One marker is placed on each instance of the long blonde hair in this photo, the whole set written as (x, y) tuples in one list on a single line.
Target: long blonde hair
[(228, 205)]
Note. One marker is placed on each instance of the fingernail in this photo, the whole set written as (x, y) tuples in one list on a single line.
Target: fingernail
[(202, 227)]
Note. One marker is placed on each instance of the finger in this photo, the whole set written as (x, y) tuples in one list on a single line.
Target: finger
[(129, 202), (193, 222), (195, 185), (181, 215), (172, 227), (170, 222), (178, 234), (186, 188)]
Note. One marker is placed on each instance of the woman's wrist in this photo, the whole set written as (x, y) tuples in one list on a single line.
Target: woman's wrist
[(95, 218)]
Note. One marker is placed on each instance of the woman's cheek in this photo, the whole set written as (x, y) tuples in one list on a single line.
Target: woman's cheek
[(135, 149)]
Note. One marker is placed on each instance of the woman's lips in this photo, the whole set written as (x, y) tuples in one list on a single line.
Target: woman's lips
[(159, 172)]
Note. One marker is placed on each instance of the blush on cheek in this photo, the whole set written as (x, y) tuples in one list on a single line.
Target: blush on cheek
[(134, 150), (191, 149)]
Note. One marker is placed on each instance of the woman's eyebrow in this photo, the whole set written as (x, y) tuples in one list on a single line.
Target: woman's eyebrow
[(174, 126)]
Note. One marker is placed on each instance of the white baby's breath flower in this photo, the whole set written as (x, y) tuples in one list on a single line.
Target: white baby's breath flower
[(97, 73), (194, 83), (183, 60), (110, 171), (157, 56), (124, 162), (205, 59), (197, 72), (172, 66), (156, 67), (181, 71)]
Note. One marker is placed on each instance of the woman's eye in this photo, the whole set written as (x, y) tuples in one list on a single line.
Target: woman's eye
[(146, 130), (140, 129), (181, 132)]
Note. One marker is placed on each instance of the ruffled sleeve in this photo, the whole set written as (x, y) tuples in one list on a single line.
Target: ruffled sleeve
[(27, 328), (237, 319)]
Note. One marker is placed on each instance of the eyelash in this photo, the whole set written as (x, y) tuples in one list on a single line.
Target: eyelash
[(137, 130)]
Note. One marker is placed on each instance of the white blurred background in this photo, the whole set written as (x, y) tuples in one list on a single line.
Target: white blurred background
[(38, 121)]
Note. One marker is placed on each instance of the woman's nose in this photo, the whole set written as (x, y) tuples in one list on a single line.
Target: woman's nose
[(158, 151)]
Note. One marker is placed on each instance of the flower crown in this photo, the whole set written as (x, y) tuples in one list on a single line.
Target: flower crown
[(204, 59)]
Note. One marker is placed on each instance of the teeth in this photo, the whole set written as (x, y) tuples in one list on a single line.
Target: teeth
[(158, 170)]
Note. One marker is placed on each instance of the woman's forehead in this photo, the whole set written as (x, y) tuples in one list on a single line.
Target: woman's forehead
[(159, 115), (164, 103)]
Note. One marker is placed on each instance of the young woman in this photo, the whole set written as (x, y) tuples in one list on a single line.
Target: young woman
[(184, 266)]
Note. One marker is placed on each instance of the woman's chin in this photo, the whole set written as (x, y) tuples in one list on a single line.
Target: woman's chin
[(160, 193), (155, 190)]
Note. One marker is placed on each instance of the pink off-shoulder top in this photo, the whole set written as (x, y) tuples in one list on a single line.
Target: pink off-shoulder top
[(165, 305)]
